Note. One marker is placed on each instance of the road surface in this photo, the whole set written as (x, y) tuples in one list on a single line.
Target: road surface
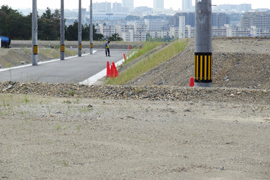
[(72, 70)]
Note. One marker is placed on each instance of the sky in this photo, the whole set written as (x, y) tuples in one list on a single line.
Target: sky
[(71, 4)]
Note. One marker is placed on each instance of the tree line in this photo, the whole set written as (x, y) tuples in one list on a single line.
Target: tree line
[(16, 26)]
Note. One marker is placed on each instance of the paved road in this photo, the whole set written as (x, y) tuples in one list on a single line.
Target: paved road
[(73, 70)]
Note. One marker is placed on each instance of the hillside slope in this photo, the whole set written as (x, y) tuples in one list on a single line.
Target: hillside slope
[(237, 62)]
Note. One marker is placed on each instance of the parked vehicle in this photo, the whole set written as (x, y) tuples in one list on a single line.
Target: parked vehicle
[(5, 42)]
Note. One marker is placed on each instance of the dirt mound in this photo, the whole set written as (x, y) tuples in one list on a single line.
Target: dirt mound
[(242, 63), (14, 56)]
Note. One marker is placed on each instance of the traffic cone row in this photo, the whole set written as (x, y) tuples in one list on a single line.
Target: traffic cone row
[(112, 71)]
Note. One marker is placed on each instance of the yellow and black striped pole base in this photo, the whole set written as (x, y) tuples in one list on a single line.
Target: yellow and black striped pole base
[(203, 68)]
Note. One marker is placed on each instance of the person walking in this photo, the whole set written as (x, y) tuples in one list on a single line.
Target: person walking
[(107, 49)]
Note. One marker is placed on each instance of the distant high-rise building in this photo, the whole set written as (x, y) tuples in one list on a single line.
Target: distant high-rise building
[(233, 7), (219, 19), (245, 7), (117, 7), (102, 7), (258, 19), (158, 4), (187, 5), (155, 24), (189, 19), (128, 4)]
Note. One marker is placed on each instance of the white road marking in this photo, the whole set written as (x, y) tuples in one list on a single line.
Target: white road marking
[(44, 62), (101, 74)]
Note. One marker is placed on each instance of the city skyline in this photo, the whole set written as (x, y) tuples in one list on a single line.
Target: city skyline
[(15, 4)]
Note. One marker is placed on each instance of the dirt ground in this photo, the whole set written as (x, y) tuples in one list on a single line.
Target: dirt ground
[(60, 138), (241, 63)]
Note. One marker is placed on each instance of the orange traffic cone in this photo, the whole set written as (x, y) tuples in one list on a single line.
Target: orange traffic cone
[(191, 83), (124, 57), (115, 70), (108, 69), (129, 46), (140, 47), (112, 75)]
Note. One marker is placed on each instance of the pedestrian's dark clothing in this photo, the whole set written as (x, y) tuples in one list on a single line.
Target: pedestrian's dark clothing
[(107, 49)]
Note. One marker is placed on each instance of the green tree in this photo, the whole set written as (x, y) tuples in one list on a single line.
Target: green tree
[(115, 37), (49, 25), (132, 18), (47, 14), (72, 33), (13, 24)]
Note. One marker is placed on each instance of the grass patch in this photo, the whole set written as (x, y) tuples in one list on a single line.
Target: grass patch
[(25, 50), (148, 46), (71, 52), (149, 63)]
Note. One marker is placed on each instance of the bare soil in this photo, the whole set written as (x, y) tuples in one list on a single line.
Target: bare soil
[(59, 138), (240, 63)]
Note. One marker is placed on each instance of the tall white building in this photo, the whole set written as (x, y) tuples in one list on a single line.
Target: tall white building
[(102, 7), (117, 7), (155, 25), (187, 5), (107, 31), (182, 27), (128, 4), (158, 4)]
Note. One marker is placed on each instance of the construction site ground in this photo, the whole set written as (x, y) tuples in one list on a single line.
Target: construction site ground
[(50, 137)]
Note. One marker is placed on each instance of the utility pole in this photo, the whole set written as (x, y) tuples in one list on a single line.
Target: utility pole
[(91, 28), (80, 30), (203, 43), (62, 32), (34, 34)]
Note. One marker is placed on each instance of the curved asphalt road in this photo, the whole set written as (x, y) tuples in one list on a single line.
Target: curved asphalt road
[(72, 70)]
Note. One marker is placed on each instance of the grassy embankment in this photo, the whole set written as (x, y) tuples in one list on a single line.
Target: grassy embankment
[(148, 63), (148, 46), (51, 53)]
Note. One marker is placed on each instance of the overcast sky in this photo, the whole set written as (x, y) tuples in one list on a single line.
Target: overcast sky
[(175, 4)]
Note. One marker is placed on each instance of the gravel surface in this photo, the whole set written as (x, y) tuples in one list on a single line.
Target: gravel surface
[(77, 138), (154, 93)]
